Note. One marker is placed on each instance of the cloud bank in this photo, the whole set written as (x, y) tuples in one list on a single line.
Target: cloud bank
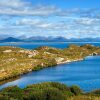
[(21, 17)]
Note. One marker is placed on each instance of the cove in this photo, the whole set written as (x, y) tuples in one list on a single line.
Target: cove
[(85, 74)]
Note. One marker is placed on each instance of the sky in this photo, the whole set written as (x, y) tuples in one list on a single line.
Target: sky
[(66, 18)]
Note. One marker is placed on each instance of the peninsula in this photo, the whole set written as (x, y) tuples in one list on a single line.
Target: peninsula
[(17, 61)]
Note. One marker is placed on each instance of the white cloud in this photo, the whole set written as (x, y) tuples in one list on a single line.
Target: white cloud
[(42, 23), (19, 7), (12, 3), (21, 17), (25, 8), (47, 27), (87, 21)]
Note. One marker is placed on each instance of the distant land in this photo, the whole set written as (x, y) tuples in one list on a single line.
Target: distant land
[(48, 39), (10, 39)]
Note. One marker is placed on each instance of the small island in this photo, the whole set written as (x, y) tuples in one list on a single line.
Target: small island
[(17, 61)]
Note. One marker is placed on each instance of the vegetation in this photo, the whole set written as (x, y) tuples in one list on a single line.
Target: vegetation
[(17, 61), (47, 91)]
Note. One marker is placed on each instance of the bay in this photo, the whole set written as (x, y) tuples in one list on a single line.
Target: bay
[(85, 74)]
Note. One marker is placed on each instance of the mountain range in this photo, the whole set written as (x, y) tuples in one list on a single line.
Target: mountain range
[(49, 39)]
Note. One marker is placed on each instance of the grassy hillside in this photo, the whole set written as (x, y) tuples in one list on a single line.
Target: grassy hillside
[(17, 61), (47, 91)]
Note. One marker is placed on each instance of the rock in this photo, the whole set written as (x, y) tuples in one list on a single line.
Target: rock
[(21, 51), (47, 53), (59, 59), (7, 51), (94, 54), (30, 56)]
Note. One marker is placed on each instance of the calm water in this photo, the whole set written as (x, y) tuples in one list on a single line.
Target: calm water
[(84, 73), (36, 45)]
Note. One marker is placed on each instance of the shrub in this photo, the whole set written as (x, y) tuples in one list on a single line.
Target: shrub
[(75, 90), (13, 92), (54, 94), (42, 91), (60, 86), (49, 90), (37, 95), (4, 97)]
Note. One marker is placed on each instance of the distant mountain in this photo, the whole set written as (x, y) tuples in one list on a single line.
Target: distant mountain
[(50, 39), (10, 39), (61, 39), (46, 39), (36, 39), (84, 40), (3, 36)]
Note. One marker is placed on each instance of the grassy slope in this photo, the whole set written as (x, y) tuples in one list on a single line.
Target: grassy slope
[(83, 97), (16, 61)]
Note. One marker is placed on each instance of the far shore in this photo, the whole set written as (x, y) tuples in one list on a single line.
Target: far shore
[(42, 42)]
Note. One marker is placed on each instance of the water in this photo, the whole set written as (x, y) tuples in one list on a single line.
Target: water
[(55, 44), (84, 73)]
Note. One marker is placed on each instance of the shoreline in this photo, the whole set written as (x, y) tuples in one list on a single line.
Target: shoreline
[(9, 79), (42, 57), (70, 61)]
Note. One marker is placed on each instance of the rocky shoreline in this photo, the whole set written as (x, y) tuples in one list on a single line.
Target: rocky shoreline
[(69, 61)]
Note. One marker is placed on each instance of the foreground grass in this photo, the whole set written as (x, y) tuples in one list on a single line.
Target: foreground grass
[(47, 91), (17, 61), (84, 98)]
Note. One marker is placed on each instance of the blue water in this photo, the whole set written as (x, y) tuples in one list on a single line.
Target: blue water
[(36, 45), (84, 73)]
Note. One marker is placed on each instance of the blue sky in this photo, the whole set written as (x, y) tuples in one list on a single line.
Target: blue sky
[(67, 18), (70, 3)]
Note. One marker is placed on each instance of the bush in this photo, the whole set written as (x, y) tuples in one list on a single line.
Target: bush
[(46, 93), (13, 92), (63, 88), (42, 91), (4, 97), (37, 95), (50, 91), (60, 86), (75, 90), (54, 94)]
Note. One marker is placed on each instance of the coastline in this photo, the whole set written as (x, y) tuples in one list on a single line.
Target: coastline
[(9, 79), (70, 61), (63, 68), (22, 61)]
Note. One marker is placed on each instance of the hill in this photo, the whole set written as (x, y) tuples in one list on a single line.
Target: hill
[(10, 39), (49, 39)]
